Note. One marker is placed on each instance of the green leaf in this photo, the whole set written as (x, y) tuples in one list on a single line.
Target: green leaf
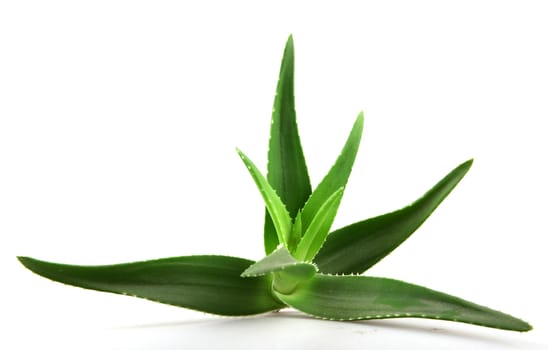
[(319, 227), (280, 260), (296, 233), (287, 172), (274, 205), (337, 176), (206, 283), (357, 247), (360, 297)]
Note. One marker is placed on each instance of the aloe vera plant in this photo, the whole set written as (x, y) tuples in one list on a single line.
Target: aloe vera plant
[(306, 267)]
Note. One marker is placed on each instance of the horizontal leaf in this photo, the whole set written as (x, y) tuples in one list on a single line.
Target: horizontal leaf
[(280, 260), (360, 297), (276, 208), (337, 176), (357, 247), (319, 227), (287, 172), (206, 283)]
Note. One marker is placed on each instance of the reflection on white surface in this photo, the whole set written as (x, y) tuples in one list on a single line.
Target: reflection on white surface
[(291, 330)]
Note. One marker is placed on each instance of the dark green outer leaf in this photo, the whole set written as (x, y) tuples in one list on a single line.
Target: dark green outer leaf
[(287, 172), (357, 247), (206, 283), (360, 297)]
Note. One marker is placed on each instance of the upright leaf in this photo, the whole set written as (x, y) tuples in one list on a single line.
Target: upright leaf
[(274, 205), (319, 227), (287, 172), (355, 248), (359, 297), (206, 283), (337, 176)]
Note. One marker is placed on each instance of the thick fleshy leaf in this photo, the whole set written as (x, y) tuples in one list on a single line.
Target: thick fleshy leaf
[(206, 283), (287, 172), (274, 205), (360, 297), (296, 232), (319, 227), (280, 260), (337, 176), (357, 247)]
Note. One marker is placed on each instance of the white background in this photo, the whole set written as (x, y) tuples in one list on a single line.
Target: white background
[(118, 122)]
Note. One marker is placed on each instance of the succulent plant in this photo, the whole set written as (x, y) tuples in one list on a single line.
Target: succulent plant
[(306, 267)]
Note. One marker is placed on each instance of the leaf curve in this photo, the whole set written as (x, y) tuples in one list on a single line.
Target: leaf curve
[(287, 171), (208, 283), (357, 247), (360, 297)]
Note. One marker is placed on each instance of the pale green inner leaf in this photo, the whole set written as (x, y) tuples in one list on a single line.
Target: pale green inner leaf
[(337, 176), (280, 260), (276, 208), (296, 233), (318, 228)]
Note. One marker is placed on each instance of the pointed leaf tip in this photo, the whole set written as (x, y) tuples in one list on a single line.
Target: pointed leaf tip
[(209, 283), (338, 174), (275, 207), (23, 260), (287, 171), (361, 297), (357, 247)]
